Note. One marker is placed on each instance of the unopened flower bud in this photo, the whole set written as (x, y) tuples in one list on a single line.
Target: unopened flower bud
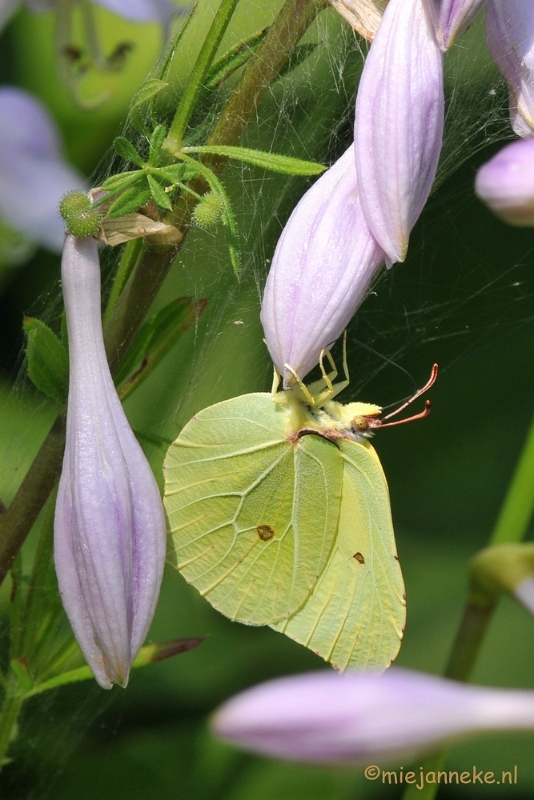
[(109, 543), (510, 37), (323, 264), (364, 718), (506, 183), (451, 18), (399, 124)]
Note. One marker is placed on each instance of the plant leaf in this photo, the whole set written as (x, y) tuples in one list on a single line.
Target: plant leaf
[(299, 54), (121, 181), (48, 362), (150, 654), (175, 173), (126, 150), (234, 58), (285, 165), (159, 194), (130, 201), (156, 140), (154, 340), (149, 89)]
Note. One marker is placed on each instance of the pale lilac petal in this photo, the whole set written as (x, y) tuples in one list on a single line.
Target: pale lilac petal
[(506, 183), (144, 10), (510, 37), (109, 524), (322, 267), (364, 718), (399, 124), (451, 18), (7, 7), (524, 592), (33, 174)]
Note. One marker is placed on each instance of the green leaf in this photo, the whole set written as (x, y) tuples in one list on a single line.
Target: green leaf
[(154, 340), (285, 165), (48, 362), (126, 150), (159, 194), (156, 142), (121, 181), (150, 654), (299, 54), (129, 201), (234, 58), (175, 173), (149, 89)]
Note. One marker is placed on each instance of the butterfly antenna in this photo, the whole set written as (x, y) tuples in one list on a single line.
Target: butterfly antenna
[(430, 382)]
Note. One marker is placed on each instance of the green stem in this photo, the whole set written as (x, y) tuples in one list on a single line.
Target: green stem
[(198, 74), (39, 481), (518, 507), (127, 263)]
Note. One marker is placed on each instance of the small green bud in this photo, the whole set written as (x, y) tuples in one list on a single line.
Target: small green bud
[(81, 217), (209, 211)]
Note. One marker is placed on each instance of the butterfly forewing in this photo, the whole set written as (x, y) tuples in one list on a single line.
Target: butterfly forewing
[(252, 515)]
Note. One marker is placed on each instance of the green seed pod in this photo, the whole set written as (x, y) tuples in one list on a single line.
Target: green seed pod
[(81, 217), (209, 211)]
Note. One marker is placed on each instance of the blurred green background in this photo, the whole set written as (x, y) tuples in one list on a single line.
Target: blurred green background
[(463, 298)]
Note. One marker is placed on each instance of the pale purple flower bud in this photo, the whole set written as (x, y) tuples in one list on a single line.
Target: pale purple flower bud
[(524, 593), (399, 124), (33, 173), (322, 267), (451, 18), (109, 524), (161, 11), (363, 718), (506, 183), (510, 38)]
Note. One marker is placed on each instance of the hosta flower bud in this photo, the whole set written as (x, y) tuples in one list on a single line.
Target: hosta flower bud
[(510, 37), (399, 124), (322, 267), (451, 18), (506, 183), (364, 718), (109, 523)]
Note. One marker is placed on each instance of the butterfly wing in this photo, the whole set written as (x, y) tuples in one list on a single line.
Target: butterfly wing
[(237, 495), (356, 613)]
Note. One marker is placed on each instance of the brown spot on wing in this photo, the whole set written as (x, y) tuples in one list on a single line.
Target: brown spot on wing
[(265, 532), (359, 558)]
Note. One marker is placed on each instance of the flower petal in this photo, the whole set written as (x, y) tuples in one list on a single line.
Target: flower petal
[(109, 524), (33, 174), (506, 183), (329, 718), (144, 10), (451, 18), (510, 38), (399, 124), (322, 267)]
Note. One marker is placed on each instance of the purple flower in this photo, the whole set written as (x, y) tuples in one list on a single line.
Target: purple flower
[(362, 718), (322, 267), (33, 174), (162, 11), (506, 183), (451, 18), (399, 124), (510, 37), (109, 524)]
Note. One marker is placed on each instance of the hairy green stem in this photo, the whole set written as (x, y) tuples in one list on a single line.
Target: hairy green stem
[(511, 527), (198, 74)]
